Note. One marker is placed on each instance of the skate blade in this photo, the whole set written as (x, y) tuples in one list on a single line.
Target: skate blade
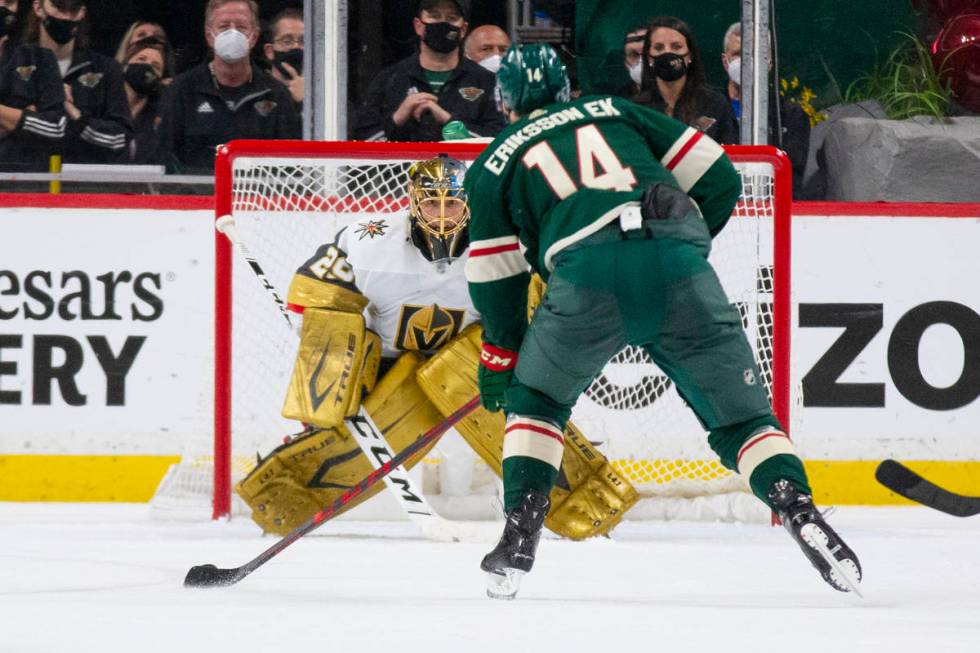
[(844, 574), (504, 586)]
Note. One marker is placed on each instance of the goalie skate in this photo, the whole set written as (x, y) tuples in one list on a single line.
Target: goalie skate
[(823, 547), (513, 556)]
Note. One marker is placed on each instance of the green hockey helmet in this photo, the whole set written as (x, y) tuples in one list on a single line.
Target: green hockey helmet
[(532, 76)]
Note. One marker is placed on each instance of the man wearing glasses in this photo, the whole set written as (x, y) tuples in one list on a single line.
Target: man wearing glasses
[(284, 51)]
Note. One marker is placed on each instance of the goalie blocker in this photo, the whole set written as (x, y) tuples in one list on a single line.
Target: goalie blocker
[(337, 363)]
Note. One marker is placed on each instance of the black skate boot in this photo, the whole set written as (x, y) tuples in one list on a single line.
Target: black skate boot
[(514, 554), (824, 548)]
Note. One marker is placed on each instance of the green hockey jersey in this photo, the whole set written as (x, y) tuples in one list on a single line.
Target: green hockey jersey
[(561, 174)]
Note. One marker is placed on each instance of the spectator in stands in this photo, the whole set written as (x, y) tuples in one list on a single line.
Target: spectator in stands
[(790, 123), (138, 31), (227, 97), (284, 51), (99, 125), (12, 18), (673, 81), (633, 60), (32, 114), (146, 64), (413, 99), (486, 45)]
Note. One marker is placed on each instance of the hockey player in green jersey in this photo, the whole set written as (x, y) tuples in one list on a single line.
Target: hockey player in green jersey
[(615, 205)]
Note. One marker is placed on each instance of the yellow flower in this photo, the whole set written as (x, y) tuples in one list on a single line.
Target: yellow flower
[(803, 98)]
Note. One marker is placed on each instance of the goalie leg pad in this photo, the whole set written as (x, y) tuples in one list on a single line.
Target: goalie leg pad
[(590, 497), (296, 479), (288, 485), (336, 360)]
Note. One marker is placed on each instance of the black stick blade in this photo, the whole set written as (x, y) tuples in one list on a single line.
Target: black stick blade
[(903, 481), (897, 477), (212, 576)]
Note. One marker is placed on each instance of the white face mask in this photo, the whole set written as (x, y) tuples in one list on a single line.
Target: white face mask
[(492, 63), (636, 72), (231, 45), (735, 70)]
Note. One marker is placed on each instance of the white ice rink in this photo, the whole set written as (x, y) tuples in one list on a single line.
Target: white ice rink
[(106, 578)]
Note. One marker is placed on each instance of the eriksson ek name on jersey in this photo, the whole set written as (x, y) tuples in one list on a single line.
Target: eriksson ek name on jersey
[(596, 109)]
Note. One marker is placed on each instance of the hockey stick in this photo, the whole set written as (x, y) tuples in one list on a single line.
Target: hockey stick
[(367, 435), (212, 576), (375, 447), (901, 480), (226, 225)]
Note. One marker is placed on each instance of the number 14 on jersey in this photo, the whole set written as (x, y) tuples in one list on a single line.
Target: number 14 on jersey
[(598, 165)]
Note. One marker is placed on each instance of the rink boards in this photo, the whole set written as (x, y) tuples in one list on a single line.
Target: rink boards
[(106, 316)]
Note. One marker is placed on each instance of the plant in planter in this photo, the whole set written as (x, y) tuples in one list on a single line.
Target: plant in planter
[(802, 96), (906, 85)]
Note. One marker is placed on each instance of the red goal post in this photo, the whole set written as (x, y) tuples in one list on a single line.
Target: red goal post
[(767, 196)]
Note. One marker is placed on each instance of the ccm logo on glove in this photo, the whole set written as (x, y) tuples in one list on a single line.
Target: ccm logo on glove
[(497, 359)]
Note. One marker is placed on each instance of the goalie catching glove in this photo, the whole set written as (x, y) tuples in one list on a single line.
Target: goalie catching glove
[(494, 375)]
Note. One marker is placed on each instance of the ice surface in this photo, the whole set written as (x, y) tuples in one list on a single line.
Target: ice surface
[(106, 578)]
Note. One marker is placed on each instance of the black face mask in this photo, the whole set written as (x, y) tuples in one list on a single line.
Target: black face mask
[(669, 67), (293, 57), (442, 37), (60, 30), (142, 78), (7, 20)]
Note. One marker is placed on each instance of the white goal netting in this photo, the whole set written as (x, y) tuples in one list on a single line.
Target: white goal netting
[(288, 202)]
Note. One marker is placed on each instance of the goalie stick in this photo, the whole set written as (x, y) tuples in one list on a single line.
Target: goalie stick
[(367, 435), (901, 480), (210, 575)]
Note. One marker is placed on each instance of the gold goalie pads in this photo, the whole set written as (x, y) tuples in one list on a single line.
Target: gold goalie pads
[(311, 471), (298, 478), (590, 496), (337, 361)]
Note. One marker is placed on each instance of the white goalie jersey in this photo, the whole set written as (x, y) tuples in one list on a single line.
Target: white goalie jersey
[(413, 303)]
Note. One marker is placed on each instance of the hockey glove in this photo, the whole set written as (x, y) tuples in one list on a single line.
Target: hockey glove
[(496, 369)]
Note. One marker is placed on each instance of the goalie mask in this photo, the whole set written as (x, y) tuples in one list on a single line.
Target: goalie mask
[(439, 211)]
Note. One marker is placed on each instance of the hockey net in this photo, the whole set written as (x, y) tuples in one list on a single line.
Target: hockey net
[(287, 198)]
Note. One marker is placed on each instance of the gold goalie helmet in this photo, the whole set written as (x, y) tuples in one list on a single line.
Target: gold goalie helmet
[(439, 210)]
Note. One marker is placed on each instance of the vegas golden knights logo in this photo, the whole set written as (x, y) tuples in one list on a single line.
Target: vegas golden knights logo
[(427, 328)]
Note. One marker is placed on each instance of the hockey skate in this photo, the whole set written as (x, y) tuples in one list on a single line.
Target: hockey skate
[(514, 554), (824, 548)]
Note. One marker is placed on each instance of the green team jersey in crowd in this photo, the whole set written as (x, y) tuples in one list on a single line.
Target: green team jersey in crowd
[(561, 174)]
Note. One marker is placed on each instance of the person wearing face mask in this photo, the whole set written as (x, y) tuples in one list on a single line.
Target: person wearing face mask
[(794, 137), (413, 99), (633, 60), (32, 114), (227, 97), (99, 126), (146, 64), (673, 81), (138, 31), (486, 45), (284, 52)]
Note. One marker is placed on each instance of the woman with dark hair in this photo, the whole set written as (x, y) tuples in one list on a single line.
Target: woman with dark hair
[(32, 114), (95, 103), (673, 81), (146, 64)]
